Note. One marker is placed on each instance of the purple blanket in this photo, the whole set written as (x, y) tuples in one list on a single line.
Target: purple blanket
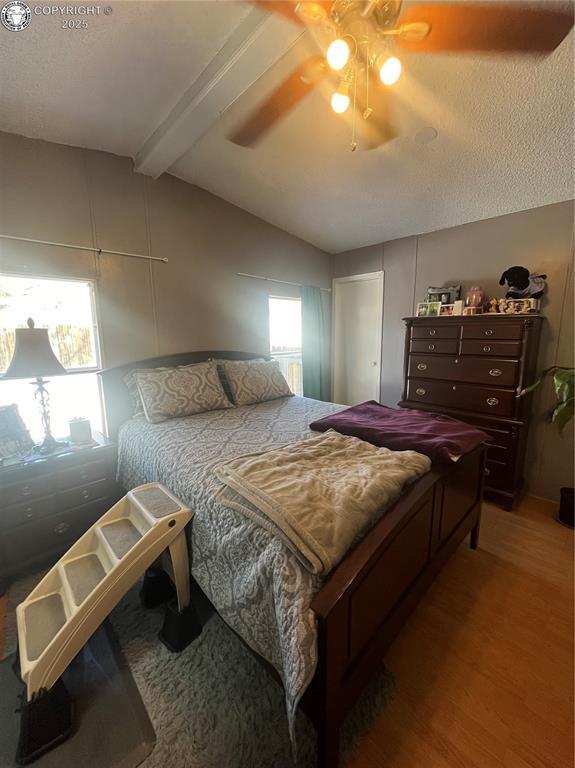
[(440, 437)]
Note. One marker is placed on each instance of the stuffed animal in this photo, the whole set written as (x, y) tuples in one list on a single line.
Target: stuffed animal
[(522, 284)]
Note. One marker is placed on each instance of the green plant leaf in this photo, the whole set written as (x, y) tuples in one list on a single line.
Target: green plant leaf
[(564, 383), (536, 383), (564, 413)]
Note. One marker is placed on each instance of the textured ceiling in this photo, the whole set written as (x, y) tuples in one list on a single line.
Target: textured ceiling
[(107, 87), (504, 125), (504, 143)]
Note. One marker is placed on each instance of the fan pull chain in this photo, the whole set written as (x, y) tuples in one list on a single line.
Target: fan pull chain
[(353, 146), (368, 110)]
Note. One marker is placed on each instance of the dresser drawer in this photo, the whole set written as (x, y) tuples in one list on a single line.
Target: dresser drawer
[(435, 331), (497, 402), (494, 330), (31, 488), (81, 474), (492, 348), (18, 514), (498, 453), (83, 493), (475, 370), (440, 347), (497, 436), (498, 475)]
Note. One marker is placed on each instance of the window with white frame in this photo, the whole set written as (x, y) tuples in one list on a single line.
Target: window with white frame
[(285, 339), (67, 309)]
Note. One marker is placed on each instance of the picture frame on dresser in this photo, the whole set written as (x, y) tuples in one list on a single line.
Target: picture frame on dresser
[(472, 367)]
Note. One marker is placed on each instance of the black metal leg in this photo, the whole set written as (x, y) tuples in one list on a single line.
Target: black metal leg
[(157, 588), (474, 538)]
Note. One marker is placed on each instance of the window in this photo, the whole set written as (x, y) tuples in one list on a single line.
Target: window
[(67, 309), (285, 339)]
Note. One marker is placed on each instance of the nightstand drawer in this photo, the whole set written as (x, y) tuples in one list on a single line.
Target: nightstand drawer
[(18, 514), (25, 491), (46, 539), (83, 493), (81, 474)]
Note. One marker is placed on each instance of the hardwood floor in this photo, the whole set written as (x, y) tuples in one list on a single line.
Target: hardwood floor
[(484, 667)]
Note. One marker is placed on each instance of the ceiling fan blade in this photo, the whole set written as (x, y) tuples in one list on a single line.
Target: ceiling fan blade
[(486, 27), (301, 13), (281, 8), (289, 92)]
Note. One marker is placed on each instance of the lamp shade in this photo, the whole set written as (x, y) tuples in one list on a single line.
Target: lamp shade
[(33, 355)]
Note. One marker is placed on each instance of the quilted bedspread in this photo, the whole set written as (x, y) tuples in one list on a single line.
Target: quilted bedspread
[(256, 583)]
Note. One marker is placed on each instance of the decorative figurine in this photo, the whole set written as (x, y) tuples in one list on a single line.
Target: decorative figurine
[(522, 284), (493, 306)]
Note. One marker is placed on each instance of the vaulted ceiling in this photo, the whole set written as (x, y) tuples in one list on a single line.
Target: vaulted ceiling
[(166, 82)]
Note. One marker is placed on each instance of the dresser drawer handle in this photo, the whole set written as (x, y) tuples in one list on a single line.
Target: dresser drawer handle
[(26, 490), (487, 348), (432, 332), (83, 474), (495, 372), (420, 391), (492, 401), (489, 332), (61, 528), (29, 512), (486, 471), (431, 347), (85, 494), (422, 367)]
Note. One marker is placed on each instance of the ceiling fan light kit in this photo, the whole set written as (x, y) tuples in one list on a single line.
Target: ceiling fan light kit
[(358, 38), (337, 54)]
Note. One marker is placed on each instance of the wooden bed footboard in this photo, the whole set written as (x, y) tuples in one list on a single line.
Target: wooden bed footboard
[(372, 592)]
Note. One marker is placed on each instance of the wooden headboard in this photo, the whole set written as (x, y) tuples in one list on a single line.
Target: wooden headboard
[(117, 401)]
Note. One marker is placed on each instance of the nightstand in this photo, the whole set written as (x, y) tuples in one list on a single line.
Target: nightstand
[(48, 502)]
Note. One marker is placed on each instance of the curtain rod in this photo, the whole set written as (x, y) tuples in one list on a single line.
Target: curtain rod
[(85, 248), (272, 280)]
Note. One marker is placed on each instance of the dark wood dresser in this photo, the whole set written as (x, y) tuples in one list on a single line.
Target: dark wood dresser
[(48, 502), (472, 368)]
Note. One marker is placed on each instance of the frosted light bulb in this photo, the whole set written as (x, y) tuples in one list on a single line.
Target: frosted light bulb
[(390, 71), (339, 102), (338, 54)]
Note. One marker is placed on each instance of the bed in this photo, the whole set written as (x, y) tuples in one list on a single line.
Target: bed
[(322, 638)]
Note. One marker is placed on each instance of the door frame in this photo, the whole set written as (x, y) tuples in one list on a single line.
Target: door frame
[(378, 275)]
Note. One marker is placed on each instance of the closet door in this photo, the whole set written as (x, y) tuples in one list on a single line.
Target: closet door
[(357, 317)]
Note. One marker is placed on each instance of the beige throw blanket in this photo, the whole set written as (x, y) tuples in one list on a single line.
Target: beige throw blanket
[(320, 494)]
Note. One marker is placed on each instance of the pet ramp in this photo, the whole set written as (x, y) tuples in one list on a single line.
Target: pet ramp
[(60, 615)]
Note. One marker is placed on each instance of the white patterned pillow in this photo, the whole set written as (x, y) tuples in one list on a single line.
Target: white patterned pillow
[(171, 392), (253, 381)]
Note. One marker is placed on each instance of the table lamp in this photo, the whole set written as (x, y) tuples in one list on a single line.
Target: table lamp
[(33, 359)]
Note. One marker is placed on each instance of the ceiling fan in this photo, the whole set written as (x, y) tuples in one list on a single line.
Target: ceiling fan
[(358, 40)]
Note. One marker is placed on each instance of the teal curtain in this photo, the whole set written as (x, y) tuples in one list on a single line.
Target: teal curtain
[(314, 358)]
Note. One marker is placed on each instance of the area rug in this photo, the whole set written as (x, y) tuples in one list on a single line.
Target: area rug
[(106, 701), (214, 705)]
